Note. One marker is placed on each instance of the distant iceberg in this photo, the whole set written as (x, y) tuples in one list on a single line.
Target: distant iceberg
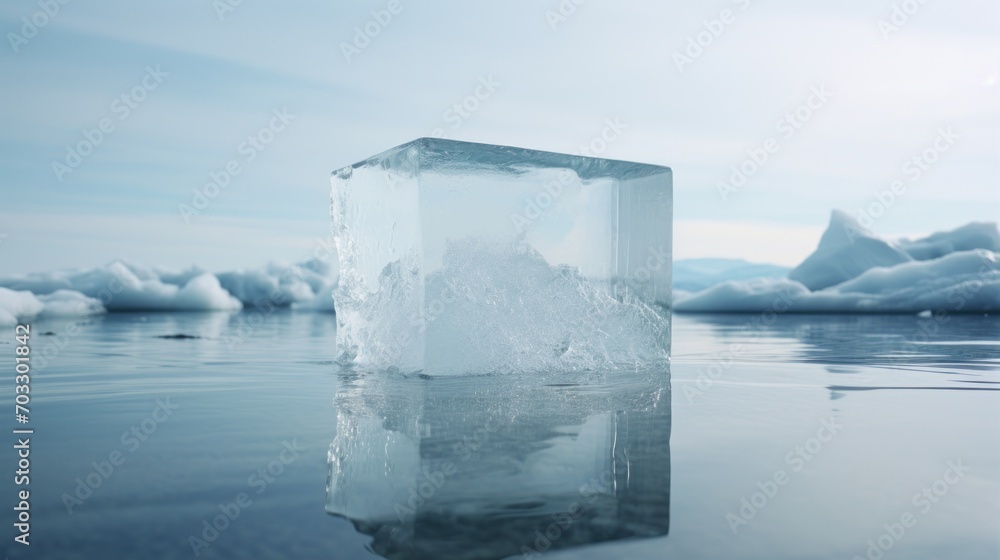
[(855, 271), (15, 305), (977, 235), (124, 286), (694, 275), (852, 271), (845, 251)]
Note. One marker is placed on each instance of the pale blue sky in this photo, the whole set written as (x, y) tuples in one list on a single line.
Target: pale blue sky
[(554, 88)]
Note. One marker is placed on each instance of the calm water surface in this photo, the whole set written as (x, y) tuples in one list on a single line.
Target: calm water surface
[(800, 437)]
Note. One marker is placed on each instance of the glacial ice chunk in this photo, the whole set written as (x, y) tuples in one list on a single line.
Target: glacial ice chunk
[(954, 272), (471, 258), (846, 250), (17, 305), (977, 235), (127, 286)]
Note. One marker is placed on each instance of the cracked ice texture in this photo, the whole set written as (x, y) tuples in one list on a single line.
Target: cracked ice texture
[(462, 258)]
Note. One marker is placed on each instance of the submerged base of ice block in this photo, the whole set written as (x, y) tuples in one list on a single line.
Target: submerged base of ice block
[(459, 258)]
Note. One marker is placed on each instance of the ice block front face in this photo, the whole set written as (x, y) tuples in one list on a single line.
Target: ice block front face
[(471, 258)]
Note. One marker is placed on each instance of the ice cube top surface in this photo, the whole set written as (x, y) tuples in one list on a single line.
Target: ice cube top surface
[(476, 258), (457, 156)]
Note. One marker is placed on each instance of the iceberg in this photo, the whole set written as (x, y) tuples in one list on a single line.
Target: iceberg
[(461, 258), (123, 287), (977, 235), (693, 275), (846, 250), (855, 271), (20, 305), (306, 286), (127, 286)]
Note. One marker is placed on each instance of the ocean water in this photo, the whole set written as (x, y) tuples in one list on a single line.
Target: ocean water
[(771, 437)]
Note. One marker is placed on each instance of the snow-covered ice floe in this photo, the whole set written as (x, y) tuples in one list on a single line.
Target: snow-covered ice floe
[(124, 286), (855, 271), (15, 305)]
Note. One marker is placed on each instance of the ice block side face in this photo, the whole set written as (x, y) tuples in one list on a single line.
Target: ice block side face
[(470, 258)]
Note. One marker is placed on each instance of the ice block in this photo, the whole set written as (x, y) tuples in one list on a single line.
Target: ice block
[(463, 258)]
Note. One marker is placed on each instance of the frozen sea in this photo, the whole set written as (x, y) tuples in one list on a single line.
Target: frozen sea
[(805, 437)]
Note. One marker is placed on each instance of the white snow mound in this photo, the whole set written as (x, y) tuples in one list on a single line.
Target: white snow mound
[(22, 305), (125, 286)]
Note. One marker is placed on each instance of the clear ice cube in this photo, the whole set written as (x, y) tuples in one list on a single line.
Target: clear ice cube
[(463, 258)]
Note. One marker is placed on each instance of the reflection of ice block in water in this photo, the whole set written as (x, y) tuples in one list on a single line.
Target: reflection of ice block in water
[(482, 468), (472, 258)]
